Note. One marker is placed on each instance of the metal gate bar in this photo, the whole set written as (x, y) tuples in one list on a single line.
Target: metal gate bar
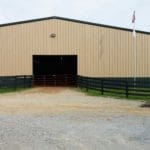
[(54, 80)]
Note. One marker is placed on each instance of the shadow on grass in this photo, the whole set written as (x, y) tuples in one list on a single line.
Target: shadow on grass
[(146, 105)]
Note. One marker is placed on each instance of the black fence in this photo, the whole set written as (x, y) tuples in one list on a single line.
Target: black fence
[(122, 86), (16, 82)]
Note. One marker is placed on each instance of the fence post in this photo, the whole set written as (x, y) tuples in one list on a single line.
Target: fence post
[(15, 82), (102, 87), (127, 89), (24, 81), (87, 85), (32, 82)]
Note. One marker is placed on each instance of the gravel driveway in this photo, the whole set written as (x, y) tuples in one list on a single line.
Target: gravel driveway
[(66, 119)]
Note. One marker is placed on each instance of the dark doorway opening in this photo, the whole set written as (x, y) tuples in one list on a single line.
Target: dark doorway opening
[(54, 70)]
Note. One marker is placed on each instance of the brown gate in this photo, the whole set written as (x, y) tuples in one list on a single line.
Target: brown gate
[(54, 80)]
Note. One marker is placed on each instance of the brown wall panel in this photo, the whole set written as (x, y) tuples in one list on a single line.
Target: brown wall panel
[(102, 51)]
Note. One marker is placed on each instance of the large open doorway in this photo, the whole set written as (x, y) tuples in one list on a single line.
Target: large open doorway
[(54, 70)]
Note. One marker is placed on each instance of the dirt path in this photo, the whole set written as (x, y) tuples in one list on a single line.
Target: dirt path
[(64, 118), (55, 100)]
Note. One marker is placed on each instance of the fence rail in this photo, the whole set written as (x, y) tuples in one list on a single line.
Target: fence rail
[(15, 81), (123, 87)]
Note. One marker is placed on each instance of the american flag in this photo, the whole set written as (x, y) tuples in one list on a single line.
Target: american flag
[(133, 17), (133, 21)]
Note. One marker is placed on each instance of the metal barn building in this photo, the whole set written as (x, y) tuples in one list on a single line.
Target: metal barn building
[(60, 51)]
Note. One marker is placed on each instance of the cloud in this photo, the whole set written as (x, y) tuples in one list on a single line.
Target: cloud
[(111, 12)]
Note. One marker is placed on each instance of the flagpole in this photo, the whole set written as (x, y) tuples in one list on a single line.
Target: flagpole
[(135, 61), (134, 49)]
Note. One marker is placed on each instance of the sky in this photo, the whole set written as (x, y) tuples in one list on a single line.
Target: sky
[(110, 12)]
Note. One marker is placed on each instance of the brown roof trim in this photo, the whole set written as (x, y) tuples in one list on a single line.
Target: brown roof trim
[(71, 20)]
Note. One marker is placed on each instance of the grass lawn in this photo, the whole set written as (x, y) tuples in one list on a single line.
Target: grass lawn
[(92, 92), (9, 90)]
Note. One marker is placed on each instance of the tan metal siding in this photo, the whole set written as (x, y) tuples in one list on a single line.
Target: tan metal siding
[(102, 52)]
